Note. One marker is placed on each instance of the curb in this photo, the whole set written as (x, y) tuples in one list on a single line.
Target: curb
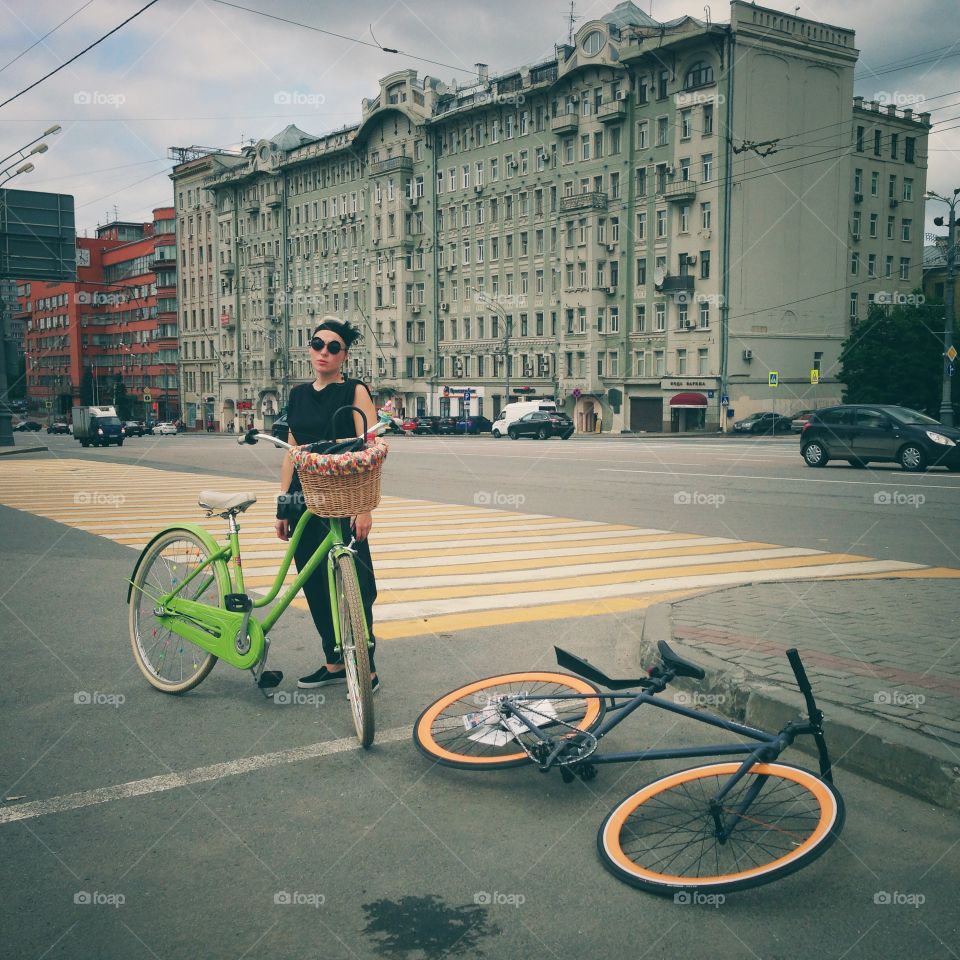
[(10, 451), (876, 749)]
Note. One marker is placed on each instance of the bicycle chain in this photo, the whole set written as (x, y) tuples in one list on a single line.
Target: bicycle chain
[(559, 760)]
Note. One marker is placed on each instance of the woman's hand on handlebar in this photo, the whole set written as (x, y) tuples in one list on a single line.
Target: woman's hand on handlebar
[(362, 525), (283, 529)]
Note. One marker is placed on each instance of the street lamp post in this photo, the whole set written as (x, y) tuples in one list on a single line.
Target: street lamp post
[(946, 402)]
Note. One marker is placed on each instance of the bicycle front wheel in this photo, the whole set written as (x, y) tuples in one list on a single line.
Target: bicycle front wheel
[(461, 729), (353, 646), (663, 838), (168, 661)]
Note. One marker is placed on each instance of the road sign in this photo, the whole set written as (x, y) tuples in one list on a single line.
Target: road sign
[(724, 400), (814, 376), (951, 370), (146, 397), (710, 394), (951, 353), (47, 404), (467, 395), (773, 378)]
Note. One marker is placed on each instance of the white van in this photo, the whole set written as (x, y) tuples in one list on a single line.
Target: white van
[(514, 411)]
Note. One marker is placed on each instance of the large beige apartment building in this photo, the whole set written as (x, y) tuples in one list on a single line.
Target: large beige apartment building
[(645, 227)]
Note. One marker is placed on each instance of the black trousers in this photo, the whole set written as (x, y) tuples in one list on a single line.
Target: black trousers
[(316, 589)]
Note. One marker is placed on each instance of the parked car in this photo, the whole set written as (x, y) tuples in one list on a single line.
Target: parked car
[(541, 424), (514, 411), (280, 428), (134, 428), (409, 425), (58, 426), (473, 424), (428, 425), (25, 425), (764, 423), (799, 419), (447, 425), (18, 406), (867, 433), (165, 428)]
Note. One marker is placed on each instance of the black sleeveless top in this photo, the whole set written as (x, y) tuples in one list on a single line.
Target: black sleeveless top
[(310, 412)]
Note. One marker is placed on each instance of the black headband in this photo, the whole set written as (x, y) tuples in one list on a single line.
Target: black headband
[(349, 335)]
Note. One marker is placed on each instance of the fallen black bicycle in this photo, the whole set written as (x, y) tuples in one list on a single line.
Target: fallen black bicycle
[(722, 826)]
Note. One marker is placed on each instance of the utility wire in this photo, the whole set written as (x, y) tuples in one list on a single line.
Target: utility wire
[(77, 56), (44, 37)]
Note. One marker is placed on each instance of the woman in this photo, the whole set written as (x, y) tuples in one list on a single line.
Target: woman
[(310, 413)]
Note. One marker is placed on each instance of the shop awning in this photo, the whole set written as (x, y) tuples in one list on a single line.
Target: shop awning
[(688, 401)]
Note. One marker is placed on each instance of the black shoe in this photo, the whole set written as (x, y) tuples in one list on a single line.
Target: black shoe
[(321, 678), (374, 685)]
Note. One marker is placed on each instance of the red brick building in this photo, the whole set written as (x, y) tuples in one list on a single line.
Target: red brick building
[(117, 324)]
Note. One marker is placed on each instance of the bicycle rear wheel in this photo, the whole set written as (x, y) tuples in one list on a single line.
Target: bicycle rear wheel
[(353, 646), (168, 661), (663, 838), (459, 729)]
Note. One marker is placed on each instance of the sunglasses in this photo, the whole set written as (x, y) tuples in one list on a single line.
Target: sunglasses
[(333, 346)]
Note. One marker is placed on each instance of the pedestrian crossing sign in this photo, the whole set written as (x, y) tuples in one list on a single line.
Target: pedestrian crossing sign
[(773, 378), (814, 376)]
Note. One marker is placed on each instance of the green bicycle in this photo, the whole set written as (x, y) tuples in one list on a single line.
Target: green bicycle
[(189, 608)]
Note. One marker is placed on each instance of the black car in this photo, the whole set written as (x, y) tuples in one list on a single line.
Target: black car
[(764, 423), (134, 428), (427, 425), (864, 433), (58, 426), (472, 424), (541, 424), (447, 425), (280, 428), (25, 425)]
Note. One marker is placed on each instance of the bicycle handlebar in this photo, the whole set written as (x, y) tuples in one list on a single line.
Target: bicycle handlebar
[(253, 435)]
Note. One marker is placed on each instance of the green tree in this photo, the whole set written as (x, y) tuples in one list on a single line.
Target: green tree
[(895, 356), (121, 399)]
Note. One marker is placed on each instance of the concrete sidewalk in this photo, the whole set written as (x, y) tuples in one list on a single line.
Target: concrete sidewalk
[(882, 655)]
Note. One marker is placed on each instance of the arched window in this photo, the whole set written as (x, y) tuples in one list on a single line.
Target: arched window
[(699, 75), (592, 42)]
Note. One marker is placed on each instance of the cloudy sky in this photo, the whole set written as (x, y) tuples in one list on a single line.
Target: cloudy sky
[(207, 72)]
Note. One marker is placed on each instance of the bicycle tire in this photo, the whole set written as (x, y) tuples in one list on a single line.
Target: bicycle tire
[(661, 838), (157, 574), (476, 754), (353, 648)]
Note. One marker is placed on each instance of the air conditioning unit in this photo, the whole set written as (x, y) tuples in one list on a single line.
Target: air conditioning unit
[(670, 171), (311, 311), (611, 247), (414, 201), (426, 368), (513, 164), (390, 274), (611, 290), (748, 355), (445, 307), (706, 234), (691, 260), (478, 188), (451, 267), (415, 308), (376, 241), (323, 253), (620, 95), (690, 324)]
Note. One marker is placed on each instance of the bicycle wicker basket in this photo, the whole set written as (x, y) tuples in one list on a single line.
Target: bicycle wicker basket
[(341, 484)]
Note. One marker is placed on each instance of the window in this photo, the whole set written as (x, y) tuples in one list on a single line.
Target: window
[(874, 218), (892, 187), (704, 264), (855, 225), (707, 129), (894, 144), (707, 160), (643, 134), (907, 188), (706, 218), (686, 124), (854, 298), (904, 268), (661, 223), (858, 181), (662, 78), (700, 74), (876, 143), (871, 265), (891, 223), (908, 149), (659, 316), (905, 229), (662, 131), (685, 218), (641, 271), (640, 317), (658, 363), (641, 177), (641, 230), (681, 361), (860, 132), (585, 147), (854, 263), (704, 314), (888, 267), (875, 184), (702, 361)]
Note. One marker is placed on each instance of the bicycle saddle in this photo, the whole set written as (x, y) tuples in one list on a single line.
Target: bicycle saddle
[(222, 503), (680, 667)]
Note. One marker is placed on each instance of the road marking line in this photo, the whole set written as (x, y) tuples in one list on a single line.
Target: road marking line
[(174, 781)]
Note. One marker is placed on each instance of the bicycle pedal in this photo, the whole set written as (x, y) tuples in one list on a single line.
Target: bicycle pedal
[(237, 602), (270, 679)]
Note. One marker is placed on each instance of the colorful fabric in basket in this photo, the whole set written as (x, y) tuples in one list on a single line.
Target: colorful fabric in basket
[(340, 464)]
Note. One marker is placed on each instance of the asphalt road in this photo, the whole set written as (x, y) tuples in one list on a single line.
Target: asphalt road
[(317, 850)]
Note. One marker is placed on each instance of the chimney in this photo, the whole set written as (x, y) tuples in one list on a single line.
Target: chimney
[(857, 103), (483, 72), (908, 113), (892, 109)]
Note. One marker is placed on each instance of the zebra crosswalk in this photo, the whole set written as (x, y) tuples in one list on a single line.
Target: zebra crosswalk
[(441, 567)]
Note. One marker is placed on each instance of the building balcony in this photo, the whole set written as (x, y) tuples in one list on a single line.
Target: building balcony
[(252, 207), (228, 269), (392, 165), (565, 123), (273, 200), (612, 111), (681, 284), (680, 190), (267, 260), (593, 200)]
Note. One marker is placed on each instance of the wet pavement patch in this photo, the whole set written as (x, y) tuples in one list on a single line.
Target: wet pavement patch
[(427, 927)]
